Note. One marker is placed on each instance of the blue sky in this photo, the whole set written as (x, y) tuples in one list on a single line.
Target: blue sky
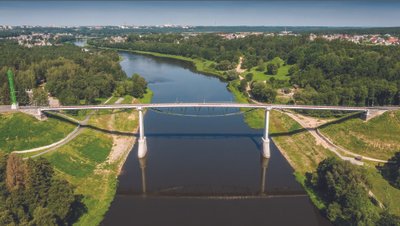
[(268, 13)]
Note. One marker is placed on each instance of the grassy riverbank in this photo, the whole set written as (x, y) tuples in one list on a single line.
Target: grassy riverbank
[(92, 160), (19, 131), (377, 138)]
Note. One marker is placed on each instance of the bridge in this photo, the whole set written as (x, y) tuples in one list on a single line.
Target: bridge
[(142, 146)]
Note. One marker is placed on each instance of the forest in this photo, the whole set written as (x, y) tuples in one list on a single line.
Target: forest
[(67, 72), (31, 194), (323, 72)]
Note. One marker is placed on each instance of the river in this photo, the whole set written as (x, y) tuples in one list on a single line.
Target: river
[(202, 170)]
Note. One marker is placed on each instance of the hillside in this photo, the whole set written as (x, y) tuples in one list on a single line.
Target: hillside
[(20, 131), (377, 138)]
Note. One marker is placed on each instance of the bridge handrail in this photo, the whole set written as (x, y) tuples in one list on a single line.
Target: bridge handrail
[(214, 105)]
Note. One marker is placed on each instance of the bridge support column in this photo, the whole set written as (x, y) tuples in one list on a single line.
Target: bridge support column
[(40, 115), (142, 145), (266, 147), (365, 116)]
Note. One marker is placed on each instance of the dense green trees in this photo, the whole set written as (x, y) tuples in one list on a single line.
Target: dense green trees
[(344, 190), (30, 194), (263, 92), (135, 86), (66, 72)]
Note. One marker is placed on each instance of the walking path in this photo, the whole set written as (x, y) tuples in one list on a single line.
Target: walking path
[(312, 124), (67, 139)]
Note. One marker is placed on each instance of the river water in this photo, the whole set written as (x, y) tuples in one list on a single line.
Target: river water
[(202, 170)]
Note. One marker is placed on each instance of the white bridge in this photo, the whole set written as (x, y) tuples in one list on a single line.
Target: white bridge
[(142, 146)]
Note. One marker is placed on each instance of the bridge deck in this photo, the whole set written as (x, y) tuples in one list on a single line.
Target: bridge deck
[(214, 105)]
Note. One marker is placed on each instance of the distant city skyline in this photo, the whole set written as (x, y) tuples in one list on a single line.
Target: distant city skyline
[(196, 13)]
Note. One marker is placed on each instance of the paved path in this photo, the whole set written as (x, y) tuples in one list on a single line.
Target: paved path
[(70, 136), (322, 141)]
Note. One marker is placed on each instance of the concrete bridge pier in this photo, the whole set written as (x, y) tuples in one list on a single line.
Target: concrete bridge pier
[(142, 145), (266, 146), (366, 115)]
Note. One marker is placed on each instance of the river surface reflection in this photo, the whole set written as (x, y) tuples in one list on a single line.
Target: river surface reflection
[(202, 170)]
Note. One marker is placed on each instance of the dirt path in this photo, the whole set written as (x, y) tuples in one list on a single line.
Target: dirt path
[(239, 67)]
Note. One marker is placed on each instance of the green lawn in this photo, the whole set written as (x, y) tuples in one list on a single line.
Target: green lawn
[(79, 157), (378, 138), (282, 74), (19, 131)]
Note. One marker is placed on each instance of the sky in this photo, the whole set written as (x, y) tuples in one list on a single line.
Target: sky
[(209, 13)]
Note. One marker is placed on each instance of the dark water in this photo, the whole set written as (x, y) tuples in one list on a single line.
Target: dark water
[(202, 170)]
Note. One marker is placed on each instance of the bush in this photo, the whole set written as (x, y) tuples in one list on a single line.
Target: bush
[(231, 75), (249, 77), (272, 69)]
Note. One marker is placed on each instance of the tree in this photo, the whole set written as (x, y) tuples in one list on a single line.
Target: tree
[(272, 69), (39, 97), (15, 172), (61, 198), (44, 216), (232, 75), (139, 86), (391, 170), (388, 219), (249, 77), (263, 92), (243, 85), (224, 65)]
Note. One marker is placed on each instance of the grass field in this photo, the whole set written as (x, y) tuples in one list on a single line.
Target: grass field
[(20, 131), (282, 74), (378, 138)]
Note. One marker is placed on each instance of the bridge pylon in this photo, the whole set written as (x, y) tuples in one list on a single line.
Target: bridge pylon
[(266, 145), (142, 144)]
